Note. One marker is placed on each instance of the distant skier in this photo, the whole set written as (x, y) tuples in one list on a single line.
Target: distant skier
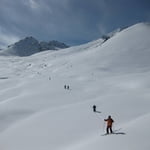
[(94, 108), (68, 87), (109, 121)]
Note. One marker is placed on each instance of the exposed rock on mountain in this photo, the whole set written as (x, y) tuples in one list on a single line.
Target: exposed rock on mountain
[(30, 45)]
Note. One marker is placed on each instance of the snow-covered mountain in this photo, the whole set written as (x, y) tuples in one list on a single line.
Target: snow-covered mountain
[(52, 45), (30, 45), (37, 113)]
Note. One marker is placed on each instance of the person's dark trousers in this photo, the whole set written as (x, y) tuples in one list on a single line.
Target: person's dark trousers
[(109, 128)]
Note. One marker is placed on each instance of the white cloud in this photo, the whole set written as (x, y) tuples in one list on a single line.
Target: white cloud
[(33, 4), (102, 29), (7, 38)]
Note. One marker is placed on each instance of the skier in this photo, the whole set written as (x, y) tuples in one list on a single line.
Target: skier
[(109, 121), (68, 87), (94, 108)]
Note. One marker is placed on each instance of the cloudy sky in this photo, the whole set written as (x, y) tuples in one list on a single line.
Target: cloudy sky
[(70, 21)]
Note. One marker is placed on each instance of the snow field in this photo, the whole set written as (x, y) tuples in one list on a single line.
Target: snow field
[(37, 113)]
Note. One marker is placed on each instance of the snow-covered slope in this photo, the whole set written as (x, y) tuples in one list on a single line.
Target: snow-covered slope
[(37, 113)]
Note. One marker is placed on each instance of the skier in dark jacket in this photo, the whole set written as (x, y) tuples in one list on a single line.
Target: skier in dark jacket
[(109, 121), (94, 108)]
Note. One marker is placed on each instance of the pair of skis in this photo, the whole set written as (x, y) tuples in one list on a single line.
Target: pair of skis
[(116, 132)]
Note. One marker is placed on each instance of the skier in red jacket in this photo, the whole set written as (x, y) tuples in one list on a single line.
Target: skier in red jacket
[(109, 121)]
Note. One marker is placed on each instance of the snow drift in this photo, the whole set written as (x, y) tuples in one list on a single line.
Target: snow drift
[(37, 113)]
